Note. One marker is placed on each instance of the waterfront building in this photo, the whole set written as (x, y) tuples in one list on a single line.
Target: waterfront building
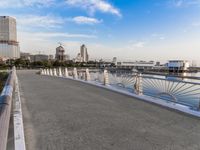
[(9, 47), (25, 56), (84, 54), (40, 57), (141, 65), (60, 54), (178, 65)]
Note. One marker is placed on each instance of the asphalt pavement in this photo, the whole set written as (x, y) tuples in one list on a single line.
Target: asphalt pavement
[(62, 114)]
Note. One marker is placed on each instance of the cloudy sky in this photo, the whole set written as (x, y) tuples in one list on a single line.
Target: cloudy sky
[(128, 29)]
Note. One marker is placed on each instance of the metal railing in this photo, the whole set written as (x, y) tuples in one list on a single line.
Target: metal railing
[(5, 108), (176, 91)]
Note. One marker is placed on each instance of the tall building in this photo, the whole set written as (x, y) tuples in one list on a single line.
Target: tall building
[(9, 47), (60, 54), (114, 61), (78, 58), (84, 54)]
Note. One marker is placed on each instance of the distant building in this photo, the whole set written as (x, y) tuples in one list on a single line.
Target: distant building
[(9, 47), (136, 64), (157, 63), (25, 56), (178, 65), (114, 61), (78, 58), (51, 57), (60, 54), (40, 57), (67, 57), (84, 54)]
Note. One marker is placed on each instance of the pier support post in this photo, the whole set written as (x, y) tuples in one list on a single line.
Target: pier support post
[(54, 72), (105, 76), (66, 72), (75, 73), (41, 71), (50, 72), (60, 72), (87, 73), (47, 71), (138, 84)]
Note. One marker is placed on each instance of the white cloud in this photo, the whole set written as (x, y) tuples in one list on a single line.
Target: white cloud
[(159, 36), (62, 35), (24, 3), (95, 5), (48, 35), (184, 3), (40, 21), (139, 44), (50, 21), (196, 24), (86, 20), (178, 3), (133, 45)]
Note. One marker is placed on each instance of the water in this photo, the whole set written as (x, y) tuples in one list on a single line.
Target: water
[(168, 88)]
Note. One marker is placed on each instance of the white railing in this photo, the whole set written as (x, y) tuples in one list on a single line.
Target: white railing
[(176, 91), (5, 108)]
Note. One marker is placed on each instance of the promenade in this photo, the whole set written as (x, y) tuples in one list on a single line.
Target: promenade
[(62, 114)]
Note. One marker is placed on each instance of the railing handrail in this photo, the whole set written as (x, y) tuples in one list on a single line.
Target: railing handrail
[(5, 108)]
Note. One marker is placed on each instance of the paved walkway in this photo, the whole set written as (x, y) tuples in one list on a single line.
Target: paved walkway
[(61, 114)]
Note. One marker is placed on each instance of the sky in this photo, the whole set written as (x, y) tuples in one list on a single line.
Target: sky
[(156, 30)]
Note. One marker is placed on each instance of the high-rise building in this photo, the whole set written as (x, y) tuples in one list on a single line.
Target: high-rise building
[(84, 53), (9, 47), (78, 58), (60, 54), (114, 60)]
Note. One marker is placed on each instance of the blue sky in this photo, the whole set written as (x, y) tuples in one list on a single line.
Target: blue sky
[(129, 29)]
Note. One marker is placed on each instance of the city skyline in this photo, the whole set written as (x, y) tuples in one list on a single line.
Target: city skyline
[(137, 30)]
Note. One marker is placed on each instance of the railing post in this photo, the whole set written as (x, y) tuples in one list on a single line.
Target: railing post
[(54, 72), (87, 73), (66, 72), (105, 77), (138, 84), (47, 70), (41, 71), (75, 73), (50, 72), (60, 72)]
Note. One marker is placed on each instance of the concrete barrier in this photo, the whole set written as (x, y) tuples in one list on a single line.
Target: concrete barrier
[(5, 108)]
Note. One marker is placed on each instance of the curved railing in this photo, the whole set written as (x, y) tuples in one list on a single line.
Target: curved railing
[(176, 91), (5, 108)]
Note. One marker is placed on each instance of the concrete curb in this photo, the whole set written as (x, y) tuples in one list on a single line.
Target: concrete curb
[(19, 139)]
